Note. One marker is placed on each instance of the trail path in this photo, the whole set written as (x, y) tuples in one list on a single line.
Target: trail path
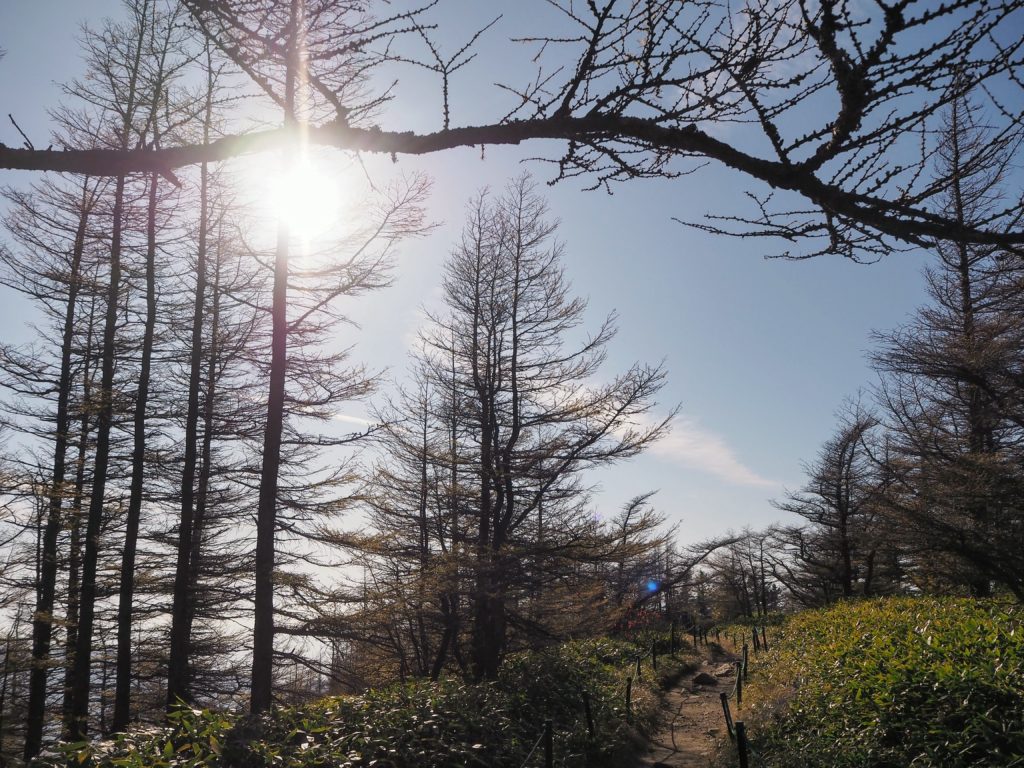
[(694, 722)]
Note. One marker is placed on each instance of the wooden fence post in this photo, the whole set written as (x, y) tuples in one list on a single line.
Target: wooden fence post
[(746, 658), (764, 638), (588, 713), (549, 745), (757, 640), (739, 685), (629, 695), (639, 671), (741, 744)]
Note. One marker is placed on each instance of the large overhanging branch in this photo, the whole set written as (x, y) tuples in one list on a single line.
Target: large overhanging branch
[(902, 221), (844, 101)]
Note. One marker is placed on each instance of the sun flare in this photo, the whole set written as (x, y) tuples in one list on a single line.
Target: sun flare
[(305, 199)]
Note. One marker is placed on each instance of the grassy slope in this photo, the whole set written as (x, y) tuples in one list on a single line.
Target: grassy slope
[(447, 723), (893, 682)]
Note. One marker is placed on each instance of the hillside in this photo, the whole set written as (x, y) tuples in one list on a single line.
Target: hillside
[(892, 682)]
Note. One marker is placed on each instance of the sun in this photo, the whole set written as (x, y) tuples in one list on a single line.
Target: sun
[(306, 200)]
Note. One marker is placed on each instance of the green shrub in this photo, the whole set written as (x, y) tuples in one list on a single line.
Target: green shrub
[(419, 724), (893, 682)]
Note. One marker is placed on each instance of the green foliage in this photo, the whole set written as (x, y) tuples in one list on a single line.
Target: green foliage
[(423, 723), (194, 739), (893, 682)]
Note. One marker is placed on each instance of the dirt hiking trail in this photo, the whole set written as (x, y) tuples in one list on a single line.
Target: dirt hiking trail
[(694, 723)]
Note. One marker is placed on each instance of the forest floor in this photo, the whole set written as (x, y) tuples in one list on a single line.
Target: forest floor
[(694, 725)]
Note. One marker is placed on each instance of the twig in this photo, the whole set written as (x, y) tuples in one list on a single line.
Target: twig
[(28, 144)]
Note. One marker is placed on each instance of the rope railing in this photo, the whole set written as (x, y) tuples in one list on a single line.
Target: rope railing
[(758, 639), (546, 737), (748, 756), (758, 760), (635, 665)]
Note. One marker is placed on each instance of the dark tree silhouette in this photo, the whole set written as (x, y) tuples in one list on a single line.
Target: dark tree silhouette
[(529, 423), (43, 223), (951, 381), (833, 102), (833, 557)]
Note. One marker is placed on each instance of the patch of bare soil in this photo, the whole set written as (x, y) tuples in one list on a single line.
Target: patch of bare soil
[(694, 723)]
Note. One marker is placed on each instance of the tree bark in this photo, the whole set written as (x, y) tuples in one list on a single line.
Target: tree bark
[(123, 665), (979, 438), (206, 456), (75, 551), (42, 620), (77, 726), (266, 521), (178, 687), (178, 671), (266, 516)]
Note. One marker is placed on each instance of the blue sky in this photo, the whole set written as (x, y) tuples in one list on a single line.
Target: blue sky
[(759, 352)]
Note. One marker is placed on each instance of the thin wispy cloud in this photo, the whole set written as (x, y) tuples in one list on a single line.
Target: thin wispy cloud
[(350, 419), (694, 447)]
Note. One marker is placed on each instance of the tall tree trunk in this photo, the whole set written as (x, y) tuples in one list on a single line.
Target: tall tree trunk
[(869, 573), (266, 516), (178, 683), (422, 644), (979, 438), (77, 716), (488, 623), (42, 620), (75, 549), (206, 455), (3, 689), (482, 657), (126, 595), (488, 610), (976, 416), (844, 490), (449, 599), (81, 668), (481, 649), (845, 559), (266, 520), (178, 666), (449, 616)]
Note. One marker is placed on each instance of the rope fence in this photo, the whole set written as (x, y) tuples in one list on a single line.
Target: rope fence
[(757, 641), (635, 664), (547, 737), (748, 757)]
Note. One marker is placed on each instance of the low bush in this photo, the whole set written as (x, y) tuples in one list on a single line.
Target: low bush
[(419, 724), (892, 682)]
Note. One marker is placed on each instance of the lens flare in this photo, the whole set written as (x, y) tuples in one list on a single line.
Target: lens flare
[(306, 200)]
